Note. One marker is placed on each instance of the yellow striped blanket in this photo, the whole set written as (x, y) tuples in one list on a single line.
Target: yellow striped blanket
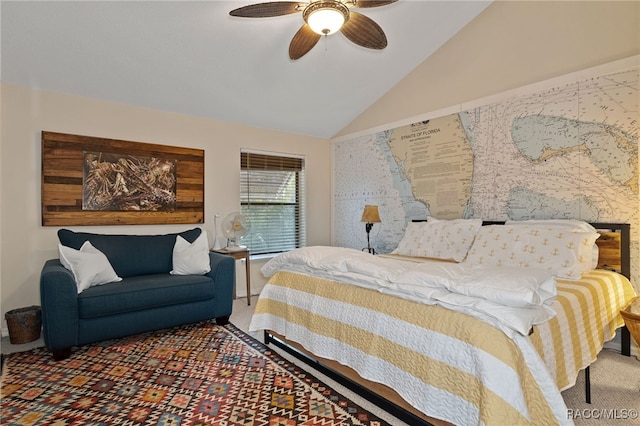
[(588, 314), (446, 364)]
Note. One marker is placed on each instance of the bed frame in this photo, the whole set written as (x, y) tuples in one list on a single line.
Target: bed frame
[(614, 254)]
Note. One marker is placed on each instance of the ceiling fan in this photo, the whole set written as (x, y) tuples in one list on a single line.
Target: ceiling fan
[(323, 17)]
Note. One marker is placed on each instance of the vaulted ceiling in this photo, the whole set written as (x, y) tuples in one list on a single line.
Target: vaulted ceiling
[(193, 58)]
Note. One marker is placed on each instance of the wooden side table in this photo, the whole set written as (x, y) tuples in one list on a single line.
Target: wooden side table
[(240, 254)]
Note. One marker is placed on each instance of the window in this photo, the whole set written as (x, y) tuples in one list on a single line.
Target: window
[(272, 197)]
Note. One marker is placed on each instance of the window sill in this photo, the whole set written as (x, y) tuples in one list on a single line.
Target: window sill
[(263, 256)]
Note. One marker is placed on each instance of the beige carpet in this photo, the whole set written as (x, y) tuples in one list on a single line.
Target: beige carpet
[(615, 392)]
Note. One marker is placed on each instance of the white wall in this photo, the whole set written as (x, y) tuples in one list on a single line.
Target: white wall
[(25, 244)]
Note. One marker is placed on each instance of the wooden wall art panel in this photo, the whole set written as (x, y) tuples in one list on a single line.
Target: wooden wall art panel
[(97, 181)]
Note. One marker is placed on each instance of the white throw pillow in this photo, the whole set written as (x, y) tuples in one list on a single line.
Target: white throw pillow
[(191, 258), (88, 265)]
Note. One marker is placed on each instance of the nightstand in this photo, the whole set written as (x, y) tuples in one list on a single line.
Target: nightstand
[(240, 254)]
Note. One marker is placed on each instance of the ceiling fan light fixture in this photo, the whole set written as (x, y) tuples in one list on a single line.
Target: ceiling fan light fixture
[(326, 17)]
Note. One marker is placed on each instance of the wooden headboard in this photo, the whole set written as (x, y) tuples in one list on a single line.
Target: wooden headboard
[(613, 245)]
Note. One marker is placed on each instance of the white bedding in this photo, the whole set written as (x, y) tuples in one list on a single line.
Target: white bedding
[(503, 297)]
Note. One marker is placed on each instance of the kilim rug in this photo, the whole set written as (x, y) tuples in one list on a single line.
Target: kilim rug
[(199, 374)]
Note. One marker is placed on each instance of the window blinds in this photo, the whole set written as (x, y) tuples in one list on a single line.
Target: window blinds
[(272, 197)]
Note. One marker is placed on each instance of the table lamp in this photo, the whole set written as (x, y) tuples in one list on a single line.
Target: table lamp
[(370, 215)]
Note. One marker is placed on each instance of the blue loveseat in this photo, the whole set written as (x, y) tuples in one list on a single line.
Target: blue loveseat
[(148, 297)]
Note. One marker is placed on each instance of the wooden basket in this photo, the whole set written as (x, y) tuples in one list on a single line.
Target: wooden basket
[(24, 324), (632, 320)]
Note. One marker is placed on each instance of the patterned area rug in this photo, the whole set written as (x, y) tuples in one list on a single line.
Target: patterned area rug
[(200, 374)]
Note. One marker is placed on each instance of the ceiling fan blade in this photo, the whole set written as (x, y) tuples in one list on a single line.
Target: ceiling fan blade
[(364, 31), (268, 9), (302, 42), (372, 3)]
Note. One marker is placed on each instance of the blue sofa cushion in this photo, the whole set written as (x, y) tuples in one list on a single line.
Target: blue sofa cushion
[(142, 293), (131, 255)]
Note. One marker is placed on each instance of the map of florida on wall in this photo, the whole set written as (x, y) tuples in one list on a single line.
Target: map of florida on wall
[(570, 151)]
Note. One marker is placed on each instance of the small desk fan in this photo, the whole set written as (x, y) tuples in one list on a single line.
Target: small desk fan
[(234, 227)]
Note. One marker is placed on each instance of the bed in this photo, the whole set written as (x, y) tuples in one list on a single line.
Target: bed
[(465, 345)]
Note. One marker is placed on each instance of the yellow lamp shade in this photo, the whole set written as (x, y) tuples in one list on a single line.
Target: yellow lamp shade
[(370, 214)]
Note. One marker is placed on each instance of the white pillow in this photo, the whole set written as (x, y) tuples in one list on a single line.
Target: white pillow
[(89, 266), (566, 254), (450, 239), (410, 245), (191, 258), (439, 239), (572, 225)]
